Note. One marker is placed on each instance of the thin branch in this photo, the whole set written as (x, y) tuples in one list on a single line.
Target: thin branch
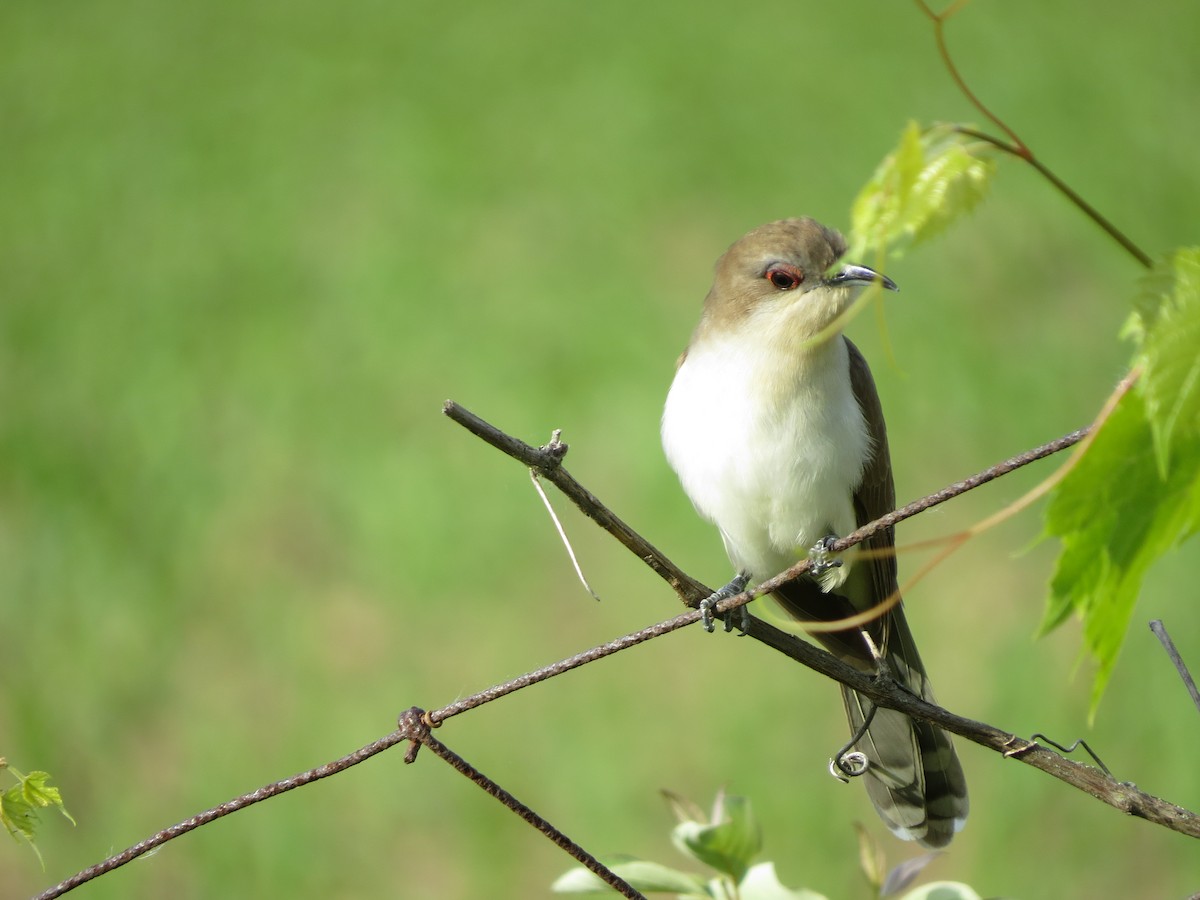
[(691, 591), (1160, 631), (1123, 796), (939, 36), (1017, 147), (1076, 199), (548, 462)]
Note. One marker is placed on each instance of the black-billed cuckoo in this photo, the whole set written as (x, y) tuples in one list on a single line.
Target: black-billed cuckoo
[(774, 427)]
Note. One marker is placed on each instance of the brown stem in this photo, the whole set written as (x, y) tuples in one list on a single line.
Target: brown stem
[(939, 36), (1017, 147), (1066, 190)]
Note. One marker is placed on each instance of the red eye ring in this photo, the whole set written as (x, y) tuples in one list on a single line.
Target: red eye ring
[(785, 277)]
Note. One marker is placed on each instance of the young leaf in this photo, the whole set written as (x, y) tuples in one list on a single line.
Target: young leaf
[(1167, 327), (727, 846), (17, 814), (36, 790), (19, 805), (930, 179)]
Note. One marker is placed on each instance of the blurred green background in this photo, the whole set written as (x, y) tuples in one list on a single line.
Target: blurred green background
[(247, 249)]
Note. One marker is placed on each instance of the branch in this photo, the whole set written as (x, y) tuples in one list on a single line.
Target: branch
[(1023, 152), (1160, 632), (1120, 795), (1123, 796), (547, 461)]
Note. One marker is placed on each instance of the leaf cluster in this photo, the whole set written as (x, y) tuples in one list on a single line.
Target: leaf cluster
[(1135, 493), (20, 804), (727, 841)]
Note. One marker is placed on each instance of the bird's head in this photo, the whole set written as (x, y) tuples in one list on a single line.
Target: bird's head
[(783, 279)]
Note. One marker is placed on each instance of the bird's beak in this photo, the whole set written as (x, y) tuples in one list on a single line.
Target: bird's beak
[(851, 275)]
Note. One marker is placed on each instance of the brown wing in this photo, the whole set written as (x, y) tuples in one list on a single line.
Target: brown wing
[(876, 494), (915, 780)]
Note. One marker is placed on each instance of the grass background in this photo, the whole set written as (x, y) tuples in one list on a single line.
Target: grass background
[(246, 250)]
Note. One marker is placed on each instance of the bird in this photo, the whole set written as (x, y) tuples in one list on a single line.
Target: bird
[(774, 426)]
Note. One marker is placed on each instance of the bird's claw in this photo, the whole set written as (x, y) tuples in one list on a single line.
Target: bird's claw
[(738, 617), (821, 556)]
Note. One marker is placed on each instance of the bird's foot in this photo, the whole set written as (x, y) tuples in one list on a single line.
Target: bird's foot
[(821, 556), (738, 617)]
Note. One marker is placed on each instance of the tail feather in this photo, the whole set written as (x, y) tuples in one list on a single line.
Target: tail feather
[(913, 777)]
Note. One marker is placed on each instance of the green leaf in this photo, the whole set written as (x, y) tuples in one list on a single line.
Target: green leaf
[(36, 790), (729, 843), (761, 883), (647, 877), (20, 818), (1168, 332), (1115, 514), (19, 805), (18, 814), (929, 180)]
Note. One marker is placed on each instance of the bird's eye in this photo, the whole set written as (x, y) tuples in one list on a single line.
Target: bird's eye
[(784, 277)]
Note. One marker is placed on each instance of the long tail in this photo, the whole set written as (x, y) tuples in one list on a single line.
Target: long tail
[(913, 776)]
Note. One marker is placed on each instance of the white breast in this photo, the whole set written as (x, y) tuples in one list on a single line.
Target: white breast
[(769, 445)]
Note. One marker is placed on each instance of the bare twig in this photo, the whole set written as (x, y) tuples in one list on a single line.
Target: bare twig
[(689, 589), (548, 462), (939, 35), (1160, 631)]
